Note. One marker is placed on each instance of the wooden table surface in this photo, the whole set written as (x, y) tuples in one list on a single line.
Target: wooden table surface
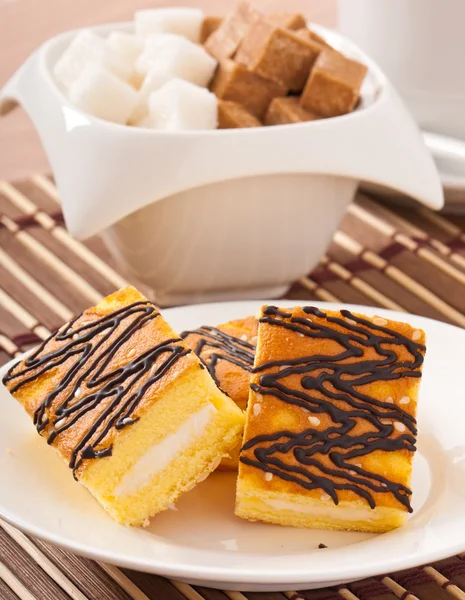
[(388, 256), (25, 24)]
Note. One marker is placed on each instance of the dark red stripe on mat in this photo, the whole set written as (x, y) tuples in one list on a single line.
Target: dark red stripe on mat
[(27, 221), (321, 595), (153, 586), (210, 593), (419, 583), (371, 589), (26, 339)]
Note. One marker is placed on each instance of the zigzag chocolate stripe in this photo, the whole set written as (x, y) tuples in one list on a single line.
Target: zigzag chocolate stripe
[(229, 348), (325, 379), (94, 344)]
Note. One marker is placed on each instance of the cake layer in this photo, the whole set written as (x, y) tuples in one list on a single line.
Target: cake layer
[(160, 455), (291, 511), (330, 420), (228, 352), (115, 383), (179, 442)]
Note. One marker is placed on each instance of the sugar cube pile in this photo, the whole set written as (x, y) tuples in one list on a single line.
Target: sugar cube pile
[(155, 77), (176, 69)]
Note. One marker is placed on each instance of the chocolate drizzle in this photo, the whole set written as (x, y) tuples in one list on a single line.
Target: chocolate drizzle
[(330, 385), (226, 347), (93, 345)]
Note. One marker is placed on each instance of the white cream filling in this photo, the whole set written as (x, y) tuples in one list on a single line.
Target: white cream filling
[(340, 513), (159, 456)]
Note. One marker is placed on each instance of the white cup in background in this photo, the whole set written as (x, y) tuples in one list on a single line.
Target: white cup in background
[(420, 45)]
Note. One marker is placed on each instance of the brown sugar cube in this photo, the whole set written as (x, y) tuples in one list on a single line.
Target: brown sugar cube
[(209, 25), (288, 20), (317, 38), (333, 87), (283, 111), (305, 34), (232, 115), (311, 36), (224, 41), (236, 83), (278, 54)]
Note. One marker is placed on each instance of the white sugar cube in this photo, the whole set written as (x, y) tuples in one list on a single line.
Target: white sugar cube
[(175, 56), (85, 49), (153, 82), (126, 45), (183, 21), (180, 105), (152, 50), (103, 95)]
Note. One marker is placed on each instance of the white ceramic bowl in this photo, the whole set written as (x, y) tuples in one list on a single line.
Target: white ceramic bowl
[(220, 214)]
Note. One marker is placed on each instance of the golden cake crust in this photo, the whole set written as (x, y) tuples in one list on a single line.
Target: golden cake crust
[(228, 351), (66, 432), (317, 434)]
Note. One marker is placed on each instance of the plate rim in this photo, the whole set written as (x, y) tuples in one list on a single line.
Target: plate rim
[(224, 575)]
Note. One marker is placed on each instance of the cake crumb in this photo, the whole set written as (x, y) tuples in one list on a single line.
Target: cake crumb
[(379, 321), (321, 546), (9, 451)]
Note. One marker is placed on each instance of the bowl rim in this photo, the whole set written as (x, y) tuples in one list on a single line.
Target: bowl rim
[(46, 63)]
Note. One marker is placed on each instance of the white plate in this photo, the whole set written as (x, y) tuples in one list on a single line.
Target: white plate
[(203, 543)]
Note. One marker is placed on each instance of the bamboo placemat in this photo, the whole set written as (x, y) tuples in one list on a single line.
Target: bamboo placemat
[(398, 258)]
